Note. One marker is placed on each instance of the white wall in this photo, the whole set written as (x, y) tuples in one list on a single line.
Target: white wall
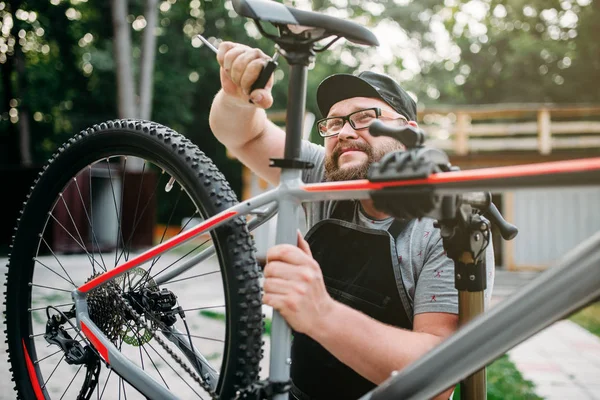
[(551, 222)]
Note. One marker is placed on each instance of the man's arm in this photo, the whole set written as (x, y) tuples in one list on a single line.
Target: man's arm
[(375, 350), (242, 126)]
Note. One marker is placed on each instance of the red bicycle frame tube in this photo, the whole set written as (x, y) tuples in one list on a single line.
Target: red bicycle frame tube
[(482, 177), (155, 251)]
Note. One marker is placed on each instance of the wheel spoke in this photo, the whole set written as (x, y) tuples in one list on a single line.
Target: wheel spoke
[(89, 220), (124, 391), (135, 213), (203, 308), (105, 383), (71, 218), (173, 209), (50, 287), (154, 261), (72, 379), (81, 245), (190, 277), (194, 336), (148, 202), (53, 305), (68, 279), (117, 209), (52, 373), (175, 371), (47, 357), (153, 364), (43, 333), (179, 259), (170, 366)]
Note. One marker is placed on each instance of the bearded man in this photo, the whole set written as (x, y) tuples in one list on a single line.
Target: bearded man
[(365, 294)]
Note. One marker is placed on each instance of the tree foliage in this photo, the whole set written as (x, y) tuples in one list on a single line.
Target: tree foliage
[(458, 51), (483, 51)]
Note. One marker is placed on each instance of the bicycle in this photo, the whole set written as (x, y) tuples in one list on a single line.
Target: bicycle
[(116, 314)]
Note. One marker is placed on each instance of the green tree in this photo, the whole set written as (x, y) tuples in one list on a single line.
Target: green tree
[(41, 76), (512, 51), (478, 51)]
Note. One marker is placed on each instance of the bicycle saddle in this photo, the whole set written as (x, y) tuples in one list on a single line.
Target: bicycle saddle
[(277, 13)]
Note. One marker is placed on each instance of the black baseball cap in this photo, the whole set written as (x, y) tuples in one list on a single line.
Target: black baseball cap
[(339, 87)]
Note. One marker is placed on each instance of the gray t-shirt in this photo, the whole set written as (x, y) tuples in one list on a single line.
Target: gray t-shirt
[(425, 270)]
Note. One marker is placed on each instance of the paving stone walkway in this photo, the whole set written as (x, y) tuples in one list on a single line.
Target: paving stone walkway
[(563, 360)]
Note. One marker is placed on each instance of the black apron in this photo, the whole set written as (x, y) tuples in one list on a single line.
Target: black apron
[(358, 267)]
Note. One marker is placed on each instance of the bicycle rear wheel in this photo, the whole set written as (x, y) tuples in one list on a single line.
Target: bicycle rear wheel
[(108, 194)]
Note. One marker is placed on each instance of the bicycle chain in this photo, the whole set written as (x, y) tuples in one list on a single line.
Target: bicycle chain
[(142, 324)]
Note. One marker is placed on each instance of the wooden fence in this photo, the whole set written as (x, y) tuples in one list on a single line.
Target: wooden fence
[(542, 128)]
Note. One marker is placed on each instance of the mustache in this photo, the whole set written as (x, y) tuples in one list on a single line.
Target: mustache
[(341, 147)]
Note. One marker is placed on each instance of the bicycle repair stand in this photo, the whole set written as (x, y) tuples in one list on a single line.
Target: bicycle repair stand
[(465, 232), (466, 237)]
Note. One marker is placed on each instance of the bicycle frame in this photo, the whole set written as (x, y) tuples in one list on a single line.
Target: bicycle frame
[(432, 374), (538, 299)]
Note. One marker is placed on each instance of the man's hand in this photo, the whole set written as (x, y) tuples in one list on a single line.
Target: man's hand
[(294, 286), (240, 68)]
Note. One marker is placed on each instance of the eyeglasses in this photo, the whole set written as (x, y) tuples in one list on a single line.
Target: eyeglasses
[(360, 119)]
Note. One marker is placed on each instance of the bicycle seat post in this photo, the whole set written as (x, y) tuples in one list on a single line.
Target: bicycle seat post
[(299, 31), (299, 61), (298, 57)]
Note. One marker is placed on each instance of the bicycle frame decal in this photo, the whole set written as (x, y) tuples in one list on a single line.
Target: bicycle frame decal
[(157, 250), (35, 384), (95, 341), (441, 179), (119, 363)]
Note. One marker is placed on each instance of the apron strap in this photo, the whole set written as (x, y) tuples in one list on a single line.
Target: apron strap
[(344, 210), (397, 227)]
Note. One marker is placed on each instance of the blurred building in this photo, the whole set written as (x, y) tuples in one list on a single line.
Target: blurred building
[(550, 221)]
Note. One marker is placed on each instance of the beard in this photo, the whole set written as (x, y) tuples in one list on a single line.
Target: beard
[(333, 172)]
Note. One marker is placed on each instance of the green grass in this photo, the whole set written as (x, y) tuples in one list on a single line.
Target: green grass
[(588, 318), (267, 326), (505, 382), (213, 315)]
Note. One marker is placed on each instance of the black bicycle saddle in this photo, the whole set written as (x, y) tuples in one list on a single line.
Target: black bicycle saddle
[(277, 13)]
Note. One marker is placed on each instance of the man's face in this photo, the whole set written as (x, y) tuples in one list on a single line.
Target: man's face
[(349, 154)]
